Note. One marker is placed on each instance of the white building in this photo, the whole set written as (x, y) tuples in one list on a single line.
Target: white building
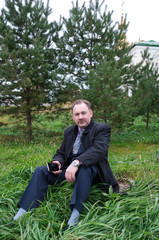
[(139, 47), (136, 53), (155, 60)]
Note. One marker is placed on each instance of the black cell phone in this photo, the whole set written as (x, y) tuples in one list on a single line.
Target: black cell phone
[(52, 167)]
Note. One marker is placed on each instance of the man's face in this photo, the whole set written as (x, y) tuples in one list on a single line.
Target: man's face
[(81, 115)]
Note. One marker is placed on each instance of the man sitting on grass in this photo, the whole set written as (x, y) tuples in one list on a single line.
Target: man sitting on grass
[(81, 159)]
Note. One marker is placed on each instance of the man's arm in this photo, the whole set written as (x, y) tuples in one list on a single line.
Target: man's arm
[(70, 173), (99, 147), (63, 150), (93, 154)]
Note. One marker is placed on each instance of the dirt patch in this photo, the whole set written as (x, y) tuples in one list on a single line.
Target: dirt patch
[(124, 185)]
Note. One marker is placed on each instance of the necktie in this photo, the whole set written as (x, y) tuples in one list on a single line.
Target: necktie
[(77, 143)]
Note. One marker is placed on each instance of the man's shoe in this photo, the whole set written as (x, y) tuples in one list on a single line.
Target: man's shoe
[(69, 227)]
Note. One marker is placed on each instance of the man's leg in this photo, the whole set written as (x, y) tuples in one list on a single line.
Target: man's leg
[(36, 190), (86, 177)]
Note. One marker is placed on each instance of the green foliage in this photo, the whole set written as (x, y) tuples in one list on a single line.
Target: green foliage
[(95, 53), (28, 59), (105, 93), (86, 56), (137, 132), (105, 216), (91, 37), (132, 217), (50, 124), (145, 89)]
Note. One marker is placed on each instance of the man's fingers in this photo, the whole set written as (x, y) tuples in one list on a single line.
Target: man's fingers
[(57, 172), (70, 177), (57, 162), (70, 173)]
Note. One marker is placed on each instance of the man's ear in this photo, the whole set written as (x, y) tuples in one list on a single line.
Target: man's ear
[(91, 112)]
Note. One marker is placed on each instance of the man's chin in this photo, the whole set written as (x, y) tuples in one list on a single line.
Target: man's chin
[(82, 125)]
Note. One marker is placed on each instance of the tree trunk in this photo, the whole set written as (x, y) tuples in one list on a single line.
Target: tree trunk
[(29, 121), (147, 118), (104, 116)]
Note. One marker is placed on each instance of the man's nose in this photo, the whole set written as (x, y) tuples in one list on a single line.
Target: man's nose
[(80, 115)]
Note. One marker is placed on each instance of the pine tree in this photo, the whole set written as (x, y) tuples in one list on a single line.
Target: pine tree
[(108, 82), (145, 88), (27, 57), (94, 53), (85, 41)]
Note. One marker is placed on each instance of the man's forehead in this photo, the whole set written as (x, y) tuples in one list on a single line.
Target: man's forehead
[(80, 107)]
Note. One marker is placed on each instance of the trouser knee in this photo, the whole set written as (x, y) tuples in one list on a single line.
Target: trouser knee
[(86, 173), (39, 171)]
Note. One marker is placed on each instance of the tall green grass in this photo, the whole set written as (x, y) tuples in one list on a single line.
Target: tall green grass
[(134, 158)]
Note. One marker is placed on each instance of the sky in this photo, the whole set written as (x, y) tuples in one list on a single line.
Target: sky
[(142, 15)]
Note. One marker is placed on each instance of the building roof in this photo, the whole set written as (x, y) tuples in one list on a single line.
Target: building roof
[(150, 43)]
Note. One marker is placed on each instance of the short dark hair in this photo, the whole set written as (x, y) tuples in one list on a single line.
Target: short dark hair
[(80, 101)]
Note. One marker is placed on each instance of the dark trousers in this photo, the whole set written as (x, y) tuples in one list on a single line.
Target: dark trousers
[(36, 190)]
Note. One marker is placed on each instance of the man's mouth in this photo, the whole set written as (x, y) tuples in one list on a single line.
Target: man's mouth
[(81, 122)]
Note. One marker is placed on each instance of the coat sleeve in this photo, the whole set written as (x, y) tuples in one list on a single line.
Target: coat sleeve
[(60, 153), (99, 147), (64, 150)]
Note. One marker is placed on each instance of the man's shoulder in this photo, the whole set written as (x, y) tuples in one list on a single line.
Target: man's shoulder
[(70, 129), (100, 125)]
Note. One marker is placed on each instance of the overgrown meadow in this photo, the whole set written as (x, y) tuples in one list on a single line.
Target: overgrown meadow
[(134, 159)]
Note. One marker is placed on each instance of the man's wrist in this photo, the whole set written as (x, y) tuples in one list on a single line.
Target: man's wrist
[(76, 163)]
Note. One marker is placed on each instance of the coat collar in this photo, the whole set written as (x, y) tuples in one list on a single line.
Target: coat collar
[(87, 128)]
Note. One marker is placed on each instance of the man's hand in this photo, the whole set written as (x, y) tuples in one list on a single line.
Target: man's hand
[(59, 164), (71, 172)]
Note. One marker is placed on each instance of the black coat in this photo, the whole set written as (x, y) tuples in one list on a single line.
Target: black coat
[(95, 141)]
